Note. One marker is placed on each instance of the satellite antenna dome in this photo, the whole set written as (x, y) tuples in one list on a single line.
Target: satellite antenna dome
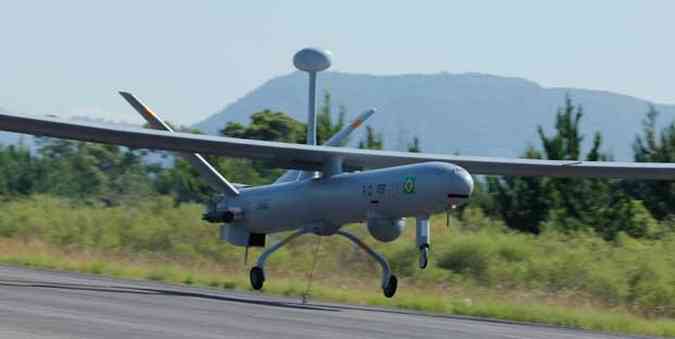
[(312, 60)]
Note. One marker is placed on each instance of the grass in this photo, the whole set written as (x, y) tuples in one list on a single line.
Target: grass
[(477, 269), (412, 295)]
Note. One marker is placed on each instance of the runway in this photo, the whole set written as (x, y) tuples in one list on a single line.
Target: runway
[(36, 304)]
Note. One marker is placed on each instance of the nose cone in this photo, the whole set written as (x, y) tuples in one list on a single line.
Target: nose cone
[(467, 182), (462, 186)]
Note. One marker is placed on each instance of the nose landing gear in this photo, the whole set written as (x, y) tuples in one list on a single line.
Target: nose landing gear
[(423, 235), (424, 257)]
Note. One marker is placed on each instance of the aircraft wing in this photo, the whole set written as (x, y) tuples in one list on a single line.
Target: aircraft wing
[(309, 157)]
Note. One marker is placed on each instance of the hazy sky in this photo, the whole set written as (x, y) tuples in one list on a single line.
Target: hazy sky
[(188, 59)]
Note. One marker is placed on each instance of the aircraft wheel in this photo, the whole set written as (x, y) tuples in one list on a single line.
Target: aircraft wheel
[(390, 288), (424, 257), (257, 277)]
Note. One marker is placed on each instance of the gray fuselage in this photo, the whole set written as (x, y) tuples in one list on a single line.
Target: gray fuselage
[(325, 204)]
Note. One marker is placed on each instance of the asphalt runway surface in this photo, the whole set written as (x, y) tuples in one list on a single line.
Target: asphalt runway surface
[(36, 304)]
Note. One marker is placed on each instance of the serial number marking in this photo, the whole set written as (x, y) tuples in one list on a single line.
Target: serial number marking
[(369, 190)]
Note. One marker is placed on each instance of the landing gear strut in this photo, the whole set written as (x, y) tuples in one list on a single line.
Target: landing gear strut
[(423, 234), (389, 281), (257, 274)]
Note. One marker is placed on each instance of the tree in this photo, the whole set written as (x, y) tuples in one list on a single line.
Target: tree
[(326, 127), (576, 198), (279, 126), (372, 140), (91, 172), (182, 182), (652, 146), (567, 204), (523, 202), (414, 146), (268, 125), (20, 172)]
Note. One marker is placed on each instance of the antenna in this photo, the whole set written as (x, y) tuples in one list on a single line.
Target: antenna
[(312, 61)]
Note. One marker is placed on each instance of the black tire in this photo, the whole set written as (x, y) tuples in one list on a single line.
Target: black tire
[(257, 277), (424, 257), (390, 289)]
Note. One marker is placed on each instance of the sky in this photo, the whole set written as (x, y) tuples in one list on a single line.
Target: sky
[(189, 59)]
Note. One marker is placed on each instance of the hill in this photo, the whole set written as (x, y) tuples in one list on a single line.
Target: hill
[(470, 113)]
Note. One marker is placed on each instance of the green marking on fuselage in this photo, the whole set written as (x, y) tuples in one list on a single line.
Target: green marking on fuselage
[(409, 185)]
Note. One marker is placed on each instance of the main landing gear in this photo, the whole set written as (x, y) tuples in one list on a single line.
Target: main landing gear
[(257, 274), (389, 281)]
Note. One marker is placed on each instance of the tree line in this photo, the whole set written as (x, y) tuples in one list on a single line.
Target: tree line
[(604, 206), (110, 175)]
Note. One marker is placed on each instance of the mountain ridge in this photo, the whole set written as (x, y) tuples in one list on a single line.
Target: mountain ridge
[(499, 115)]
